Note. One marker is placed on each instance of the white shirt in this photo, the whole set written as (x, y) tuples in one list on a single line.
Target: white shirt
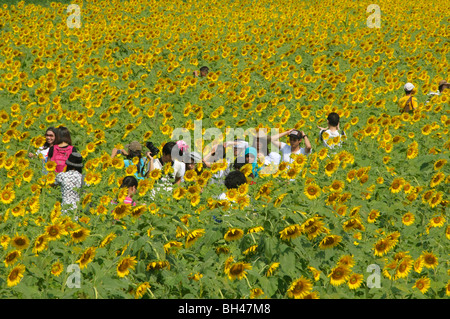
[(286, 152), (331, 135)]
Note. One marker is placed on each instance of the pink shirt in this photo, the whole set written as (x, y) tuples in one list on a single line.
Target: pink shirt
[(129, 200)]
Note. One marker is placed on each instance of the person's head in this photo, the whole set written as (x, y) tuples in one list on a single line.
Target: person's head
[(74, 162), (204, 71), (409, 88), (333, 119), (251, 155), (234, 179), (134, 149), (194, 159), (50, 137), (63, 136), (167, 152), (131, 183), (443, 85), (180, 152), (295, 138)]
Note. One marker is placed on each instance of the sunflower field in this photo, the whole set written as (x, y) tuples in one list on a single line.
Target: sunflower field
[(369, 219)]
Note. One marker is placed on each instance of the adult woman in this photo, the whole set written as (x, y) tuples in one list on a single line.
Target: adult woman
[(50, 137)]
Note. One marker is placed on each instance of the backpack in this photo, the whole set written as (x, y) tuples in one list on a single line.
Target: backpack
[(408, 105), (60, 155)]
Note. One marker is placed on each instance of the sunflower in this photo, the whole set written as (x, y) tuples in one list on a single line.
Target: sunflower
[(20, 242), (15, 276), (347, 261), (439, 164), (291, 232), (158, 265), (121, 210), (138, 211), (12, 257), (397, 185), (437, 221), (142, 289), (7, 196), (312, 191), (256, 293), (330, 241), (190, 175), (408, 219), (237, 270), (339, 275), (86, 257), (272, 268), (57, 269), (423, 284), (437, 179), (373, 215), (233, 234), (429, 260), (55, 231), (124, 266), (79, 235), (108, 239), (193, 236), (403, 268), (381, 247), (331, 167), (40, 243), (355, 281), (299, 288)]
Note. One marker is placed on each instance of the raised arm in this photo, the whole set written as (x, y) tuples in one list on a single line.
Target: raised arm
[(275, 139)]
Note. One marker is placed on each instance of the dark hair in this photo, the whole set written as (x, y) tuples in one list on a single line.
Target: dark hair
[(239, 162), (129, 181), (333, 119), (63, 135), (74, 168), (55, 131), (204, 68), (234, 179), (167, 148)]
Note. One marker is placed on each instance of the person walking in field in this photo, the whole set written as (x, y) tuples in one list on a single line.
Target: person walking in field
[(408, 103), (331, 134)]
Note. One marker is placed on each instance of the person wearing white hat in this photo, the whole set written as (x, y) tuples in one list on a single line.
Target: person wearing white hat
[(408, 103)]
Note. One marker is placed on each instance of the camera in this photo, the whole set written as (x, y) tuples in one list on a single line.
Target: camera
[(152, 148)]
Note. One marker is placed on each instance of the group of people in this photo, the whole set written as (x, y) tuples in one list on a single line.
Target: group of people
[(60, 155), (408, 103)]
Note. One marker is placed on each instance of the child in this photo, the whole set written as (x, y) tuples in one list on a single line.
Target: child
[(60, 152), (332, 131), (132, 150), (71, 181), (131, 183), (233, 180)]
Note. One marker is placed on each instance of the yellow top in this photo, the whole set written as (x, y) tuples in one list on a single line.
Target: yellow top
[(402, 102)]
